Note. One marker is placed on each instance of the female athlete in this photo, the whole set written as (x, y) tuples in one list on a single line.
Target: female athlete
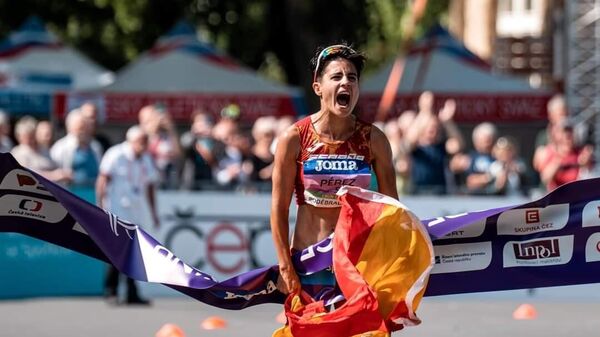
[(322, 152)]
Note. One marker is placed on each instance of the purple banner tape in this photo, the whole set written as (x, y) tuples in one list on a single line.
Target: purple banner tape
[(548, 242)]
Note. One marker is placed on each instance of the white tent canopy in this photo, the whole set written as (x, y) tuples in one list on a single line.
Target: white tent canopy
[(179, 62), (441, 64), (33, 59), (446, 73), (185, 74)]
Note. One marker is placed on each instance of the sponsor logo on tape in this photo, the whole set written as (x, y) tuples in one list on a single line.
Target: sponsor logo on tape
[(533, 220), (473, 230), (532, 216), (591, 214), (32, 208), (592, 248), (549, 251), (462, 257), (22, 180)]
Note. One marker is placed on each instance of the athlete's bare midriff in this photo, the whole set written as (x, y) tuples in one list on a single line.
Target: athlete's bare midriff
[(313, 224)]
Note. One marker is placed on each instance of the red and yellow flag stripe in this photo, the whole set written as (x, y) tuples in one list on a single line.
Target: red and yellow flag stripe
[(382, 258)]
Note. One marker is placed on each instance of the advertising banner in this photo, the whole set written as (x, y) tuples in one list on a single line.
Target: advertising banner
[(19, 103), (509, 108), (124, 107), (548, 242)]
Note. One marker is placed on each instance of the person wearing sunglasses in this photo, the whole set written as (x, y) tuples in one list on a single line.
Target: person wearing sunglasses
[(322, 152)]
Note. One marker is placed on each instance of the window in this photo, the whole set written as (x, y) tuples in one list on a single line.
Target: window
[(518, 18)]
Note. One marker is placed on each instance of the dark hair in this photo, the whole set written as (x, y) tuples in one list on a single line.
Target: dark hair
[(324, 55)]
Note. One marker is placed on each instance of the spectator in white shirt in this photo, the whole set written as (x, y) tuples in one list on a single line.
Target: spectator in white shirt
[(77, 151), (125, 187), (28, 152)]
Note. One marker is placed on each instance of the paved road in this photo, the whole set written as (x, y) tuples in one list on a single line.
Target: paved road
[(464, 316)]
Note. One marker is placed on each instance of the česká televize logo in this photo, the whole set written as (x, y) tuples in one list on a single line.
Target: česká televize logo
[(30, 205)]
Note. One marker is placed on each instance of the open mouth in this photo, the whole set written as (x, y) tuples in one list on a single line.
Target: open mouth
[(343, 99)]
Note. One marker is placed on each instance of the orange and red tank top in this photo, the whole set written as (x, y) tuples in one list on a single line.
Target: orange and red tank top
[(323, 167)]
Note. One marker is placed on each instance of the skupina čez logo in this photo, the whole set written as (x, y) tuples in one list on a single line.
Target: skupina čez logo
[(539, 252), (532, 216), (533, 220)]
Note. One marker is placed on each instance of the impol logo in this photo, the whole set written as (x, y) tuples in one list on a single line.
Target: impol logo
[(542, 249), (549, 251)]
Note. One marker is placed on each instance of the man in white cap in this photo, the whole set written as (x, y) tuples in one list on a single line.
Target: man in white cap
[(125, 187)]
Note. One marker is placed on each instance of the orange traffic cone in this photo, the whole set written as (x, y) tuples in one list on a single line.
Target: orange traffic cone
[(525, 311), (281, 317), (214, 323), (170, 330)]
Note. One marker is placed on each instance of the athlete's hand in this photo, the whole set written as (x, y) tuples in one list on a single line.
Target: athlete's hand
[(288, 280)]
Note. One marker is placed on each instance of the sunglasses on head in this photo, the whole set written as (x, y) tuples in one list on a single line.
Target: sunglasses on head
[(331, 50)]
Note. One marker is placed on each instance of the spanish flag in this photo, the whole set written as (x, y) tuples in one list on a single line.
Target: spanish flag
[(382, 257)]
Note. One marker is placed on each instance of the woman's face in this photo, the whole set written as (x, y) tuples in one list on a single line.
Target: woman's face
[(338, 87)]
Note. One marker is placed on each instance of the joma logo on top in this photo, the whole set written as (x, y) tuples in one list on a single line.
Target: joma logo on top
[(336, 165)]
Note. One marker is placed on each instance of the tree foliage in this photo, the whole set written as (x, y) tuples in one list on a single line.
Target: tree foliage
[(277, 37)]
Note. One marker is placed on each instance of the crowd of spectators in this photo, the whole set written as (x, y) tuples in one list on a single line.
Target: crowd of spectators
[(430, 154)]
